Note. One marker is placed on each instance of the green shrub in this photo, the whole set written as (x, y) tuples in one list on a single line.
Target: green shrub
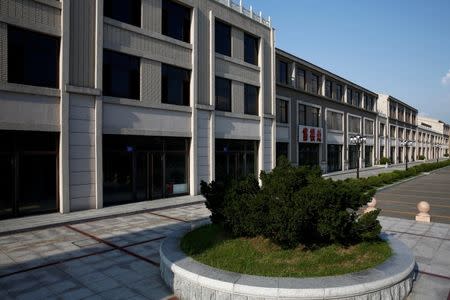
[(367, 227), (385, 160), (446, 155), (214, 193), (421, 157)]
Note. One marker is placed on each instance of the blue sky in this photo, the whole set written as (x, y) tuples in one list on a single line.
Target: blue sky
[(399, 47)]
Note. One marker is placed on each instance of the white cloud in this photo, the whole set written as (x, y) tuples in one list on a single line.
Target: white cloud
[(446, 79)]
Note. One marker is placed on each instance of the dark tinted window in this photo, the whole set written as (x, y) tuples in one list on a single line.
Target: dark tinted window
[(282, 150), (223, 38), (300, 79), (176, 21), (338, 92), (308, 115), (282, 111), (251, 100), (33, 58), (175, 85), (121, 75), (314, 84), (250, 49), (349, 96), (282, 72), (328, 89), (223, 94), (127, 11)]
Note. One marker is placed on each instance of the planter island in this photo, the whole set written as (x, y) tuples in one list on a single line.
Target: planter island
[(190, 279)]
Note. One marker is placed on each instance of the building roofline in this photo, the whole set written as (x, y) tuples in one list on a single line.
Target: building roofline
[(326, 72), (400, 101)]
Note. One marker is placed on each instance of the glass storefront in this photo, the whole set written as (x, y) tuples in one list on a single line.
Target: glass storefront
[(308, 154), (282, 150), (353, 156), (334, 158), (138, 168), (28, 173), (368, 152), (235, 158), (393, 155)]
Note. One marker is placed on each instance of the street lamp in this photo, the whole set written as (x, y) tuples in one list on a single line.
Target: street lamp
[(358, 140), (407, 144)]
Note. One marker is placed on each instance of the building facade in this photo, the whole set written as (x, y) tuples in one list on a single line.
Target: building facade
[(318, 112), (401, 126), (110, 102)]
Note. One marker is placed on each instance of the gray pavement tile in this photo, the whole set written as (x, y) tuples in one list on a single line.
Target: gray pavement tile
[(146, 287), (63, 286), (118, 294), (103, 285), (75, 294), (427, 247), (159, 293), (34, 294), (429, 288)]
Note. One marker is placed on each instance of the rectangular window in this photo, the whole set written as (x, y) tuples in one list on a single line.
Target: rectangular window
[(282, 150), (250, 99), (223, 38), (124, 11), (308, 115), (223, 94), (33, 58), (313, 86), (282, 111), (334, 155), (328, 90), (349, 96), (176, 20), (308, 154), (121, 75), (250, 49), (175, 85), (392, 132), (357, 99), (282, 72), (382, 126), (334, 120), (300, 79), (235, 158), (354, 124), (338, 92), (368, 127), (392, 111)]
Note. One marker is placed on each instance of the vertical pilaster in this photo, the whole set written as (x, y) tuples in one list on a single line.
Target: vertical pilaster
[(273, 95), (64, 202), (98, 104), (193, 163), (212, 93), (262, 145)]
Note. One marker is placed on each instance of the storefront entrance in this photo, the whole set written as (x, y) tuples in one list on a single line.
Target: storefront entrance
[(368, 153), (334, 158), (139, 168), (353, 156), (28, 173), (235, 158), (308, 154)]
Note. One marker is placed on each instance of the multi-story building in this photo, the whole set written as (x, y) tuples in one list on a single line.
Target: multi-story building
[(401, 126), (318, 112), (433, 141), (109, 102)]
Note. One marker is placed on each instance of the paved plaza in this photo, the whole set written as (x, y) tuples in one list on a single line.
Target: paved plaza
[(117, 257), (401, 200)]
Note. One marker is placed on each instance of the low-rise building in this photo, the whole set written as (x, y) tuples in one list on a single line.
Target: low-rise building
[(318, 112), (433, 141)]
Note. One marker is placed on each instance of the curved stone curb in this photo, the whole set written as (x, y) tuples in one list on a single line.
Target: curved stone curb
[(190, 279)]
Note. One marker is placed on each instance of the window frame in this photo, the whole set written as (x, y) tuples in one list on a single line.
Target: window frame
[(188, 94), (246, 104), (224, 25), (186, 22), (306, 105), (349, 116), (282, 119), (286, 73), (249, 36), (339, 112), (328, 89), (137, 23), (365, 127), (230, 104)]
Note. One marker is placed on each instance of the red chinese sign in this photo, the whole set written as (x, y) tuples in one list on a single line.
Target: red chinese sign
[(309, 134)]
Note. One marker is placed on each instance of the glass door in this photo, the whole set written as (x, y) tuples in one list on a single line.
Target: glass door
[(6, 185), (156, 178), (37, 183)]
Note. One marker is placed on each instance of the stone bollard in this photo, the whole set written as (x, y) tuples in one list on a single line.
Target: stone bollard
[(423, 215), (371, 205)]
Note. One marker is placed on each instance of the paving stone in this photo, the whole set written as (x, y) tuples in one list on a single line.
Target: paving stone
[(103, 285), (62, 286), (119, 293), (34, 294), (76, 294)]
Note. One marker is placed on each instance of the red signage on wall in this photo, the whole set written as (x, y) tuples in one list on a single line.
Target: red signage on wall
[(308, 134)]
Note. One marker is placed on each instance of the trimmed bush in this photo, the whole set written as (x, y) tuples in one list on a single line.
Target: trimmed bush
[(385, 160), (294, 205), (421, 157), (446, 155)]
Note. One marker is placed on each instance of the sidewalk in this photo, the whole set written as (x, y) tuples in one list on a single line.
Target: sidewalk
[(117, 257), (373, 171)]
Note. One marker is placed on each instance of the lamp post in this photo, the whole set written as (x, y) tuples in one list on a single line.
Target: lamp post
[(358, 140), (406, 144)]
